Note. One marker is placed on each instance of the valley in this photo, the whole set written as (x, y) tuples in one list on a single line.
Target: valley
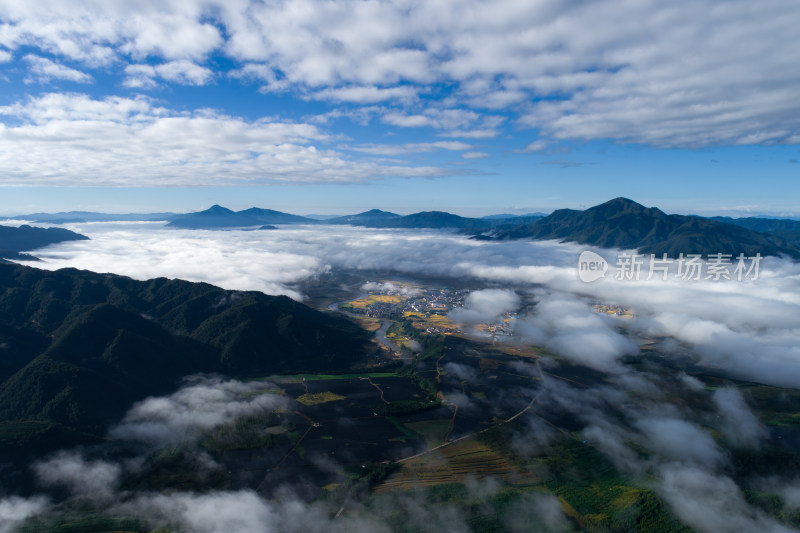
[(447, 417)]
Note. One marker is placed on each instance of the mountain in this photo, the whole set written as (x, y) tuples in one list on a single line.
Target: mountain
[(428, 219), (502, 216), (516, 218), (623, 223), (218, 217), (78, 348), (373, 215), (436, 219), (71, 217), (322, 217), (26, 238), (784, 228)]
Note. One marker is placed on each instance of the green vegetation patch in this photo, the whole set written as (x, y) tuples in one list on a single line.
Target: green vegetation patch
[(433, 431), (315, 398)]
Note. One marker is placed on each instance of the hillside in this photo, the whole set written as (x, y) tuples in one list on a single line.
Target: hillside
[(623, 223), (782, 228), (78, 348), (429, 219), (26, 238), (371, 216), (218, 217)]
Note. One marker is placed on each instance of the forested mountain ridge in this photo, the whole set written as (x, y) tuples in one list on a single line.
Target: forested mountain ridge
[(623, 223), (78, 348), (25, 238)]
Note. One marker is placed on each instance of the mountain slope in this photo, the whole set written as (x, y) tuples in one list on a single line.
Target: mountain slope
[(786, 229), (78, 348), (26, 238), (623, 223), (373, 215)]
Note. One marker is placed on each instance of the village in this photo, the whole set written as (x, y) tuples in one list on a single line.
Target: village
[(426, 308)]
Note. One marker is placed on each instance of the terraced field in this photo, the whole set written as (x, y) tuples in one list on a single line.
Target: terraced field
[(454, 464)]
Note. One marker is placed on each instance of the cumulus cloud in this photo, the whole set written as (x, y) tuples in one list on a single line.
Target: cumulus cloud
[(669, 75), (181, 71), (43, 70), (366, 94), (70, 139), (202, 404)]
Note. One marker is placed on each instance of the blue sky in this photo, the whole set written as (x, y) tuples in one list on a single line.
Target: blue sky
[(473, 107)]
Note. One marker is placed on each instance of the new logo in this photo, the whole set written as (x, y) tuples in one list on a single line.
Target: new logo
[(591, 267)]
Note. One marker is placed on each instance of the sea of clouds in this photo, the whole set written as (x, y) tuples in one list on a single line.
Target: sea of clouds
[(750, 328), (745, 329)]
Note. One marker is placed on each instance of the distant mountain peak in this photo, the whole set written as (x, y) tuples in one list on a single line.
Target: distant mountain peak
[(623, 223), (620, 203), (377, 212), (216, 209)]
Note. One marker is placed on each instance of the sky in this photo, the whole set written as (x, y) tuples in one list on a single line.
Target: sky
[(339, 106)]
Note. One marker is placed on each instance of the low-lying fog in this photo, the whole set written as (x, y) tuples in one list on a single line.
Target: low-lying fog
[(750, 329)]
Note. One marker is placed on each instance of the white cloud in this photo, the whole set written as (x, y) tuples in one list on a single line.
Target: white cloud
[(570, 327), (69, 139), (740, 426), (366, 94), (710, 502), (474, 155), (680, 440), (15, 510), (216, 512), (182, 72), (389, 288), (94, 480), (399, 149), (472, 134), (536, 146), (98, 33), (687, 73), (435, 118), (486, 305), (44, 70), (5, 56), (202, 404)]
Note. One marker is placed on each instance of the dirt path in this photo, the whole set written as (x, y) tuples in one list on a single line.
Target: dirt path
[(377, 387), (506, 421)]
